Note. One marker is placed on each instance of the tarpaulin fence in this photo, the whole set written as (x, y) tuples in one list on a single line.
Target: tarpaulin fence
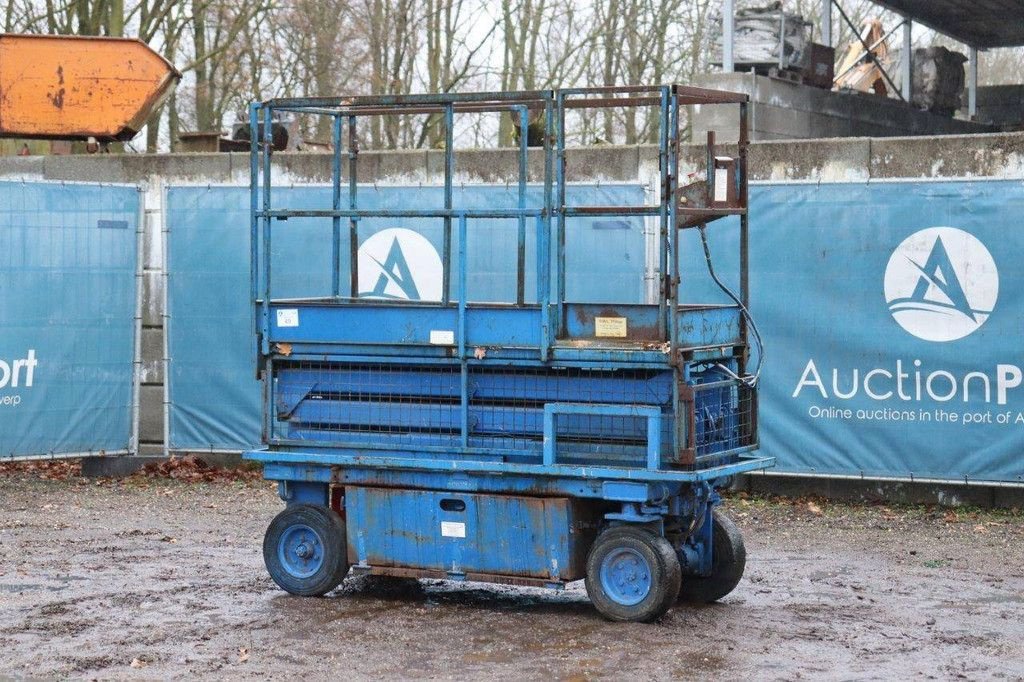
[(68, 305), (213, 396), (890, 313)]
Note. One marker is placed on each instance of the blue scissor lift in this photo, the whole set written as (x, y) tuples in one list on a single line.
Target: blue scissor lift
[(532, 442)]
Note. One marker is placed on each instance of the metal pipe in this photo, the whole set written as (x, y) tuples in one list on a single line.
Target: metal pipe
[(743, 144), (449, 169), (164, 232), (665, 229), (728, 35), (826, 22), (544, 236), (254, 220), (265, 307), (560, 208), (64, 455), (353, 221), (906, 66), (782, 40), (336, 204), (285, 214), (524, 130), (972, 84), (143, 222), (407, 100), (968, 482), (464, 369)]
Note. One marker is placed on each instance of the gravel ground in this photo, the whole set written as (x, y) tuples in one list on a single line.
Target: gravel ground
[(155, 577)]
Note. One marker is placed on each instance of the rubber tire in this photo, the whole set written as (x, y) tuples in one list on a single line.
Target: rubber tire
[(330, 527), (665, 578), (728, 559)]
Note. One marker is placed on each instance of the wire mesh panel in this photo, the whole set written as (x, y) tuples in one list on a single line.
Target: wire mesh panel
[(68, 289), (401, 406), (360, 404), (721, 414)]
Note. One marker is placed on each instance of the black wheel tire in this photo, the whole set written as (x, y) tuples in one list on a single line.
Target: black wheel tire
[(316, 531), (659, 561), (728, 559)]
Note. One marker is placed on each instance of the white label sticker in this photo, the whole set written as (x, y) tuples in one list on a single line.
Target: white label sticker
[(453, 529), (721, 184), (442, 337), (613, 327), (288, 317)]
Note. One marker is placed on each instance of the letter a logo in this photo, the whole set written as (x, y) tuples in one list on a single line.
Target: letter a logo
[(941, 284), (401, 264), (395, 271)]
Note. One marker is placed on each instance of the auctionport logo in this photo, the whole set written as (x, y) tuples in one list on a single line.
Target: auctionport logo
[(401, 264), (941, 284)]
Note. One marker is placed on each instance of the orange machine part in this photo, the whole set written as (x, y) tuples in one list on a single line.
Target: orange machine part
[(70, 87)]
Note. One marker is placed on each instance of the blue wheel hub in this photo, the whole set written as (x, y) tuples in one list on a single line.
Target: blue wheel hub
[(300, 551), (625, 576)]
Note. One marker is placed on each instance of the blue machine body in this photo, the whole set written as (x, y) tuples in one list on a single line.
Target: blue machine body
[(494, 441)]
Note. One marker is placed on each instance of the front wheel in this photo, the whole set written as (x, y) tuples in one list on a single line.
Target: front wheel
[(728, 559), (632, 574), (305, 550)]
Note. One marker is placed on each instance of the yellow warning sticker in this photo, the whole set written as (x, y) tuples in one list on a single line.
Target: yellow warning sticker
[(610, 327)]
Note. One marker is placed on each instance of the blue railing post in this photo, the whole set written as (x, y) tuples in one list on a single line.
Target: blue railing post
[(560, 235), (544, 235), (265, 307), (449, 170), (353, 221), (254, 218), (524, 130), (336, 204), (463, 299)]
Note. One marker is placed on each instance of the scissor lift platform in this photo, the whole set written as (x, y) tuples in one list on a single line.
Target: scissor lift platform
[(535, 441)]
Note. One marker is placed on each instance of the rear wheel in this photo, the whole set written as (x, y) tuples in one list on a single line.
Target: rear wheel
[(728, 559), (305, 550), (632, 574)]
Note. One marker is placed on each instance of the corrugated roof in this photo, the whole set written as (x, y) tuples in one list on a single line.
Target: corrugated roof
[(980, 23)]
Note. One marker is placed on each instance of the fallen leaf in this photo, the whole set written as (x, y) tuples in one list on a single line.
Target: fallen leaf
[(814, 509), (138, 663)]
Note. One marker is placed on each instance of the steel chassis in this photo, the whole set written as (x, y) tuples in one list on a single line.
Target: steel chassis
[(670, 484)]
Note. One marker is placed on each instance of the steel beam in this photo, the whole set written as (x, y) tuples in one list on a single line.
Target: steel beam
[(826, 22), (972, 84), (728, 35), (906, 54)]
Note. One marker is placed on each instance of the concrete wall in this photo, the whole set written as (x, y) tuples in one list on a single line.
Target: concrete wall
[(829, 160), (783, 110)]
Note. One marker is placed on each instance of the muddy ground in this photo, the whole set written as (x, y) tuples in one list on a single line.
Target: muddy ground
[(156, 578)]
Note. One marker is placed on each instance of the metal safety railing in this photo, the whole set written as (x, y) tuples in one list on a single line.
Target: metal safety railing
[(545, 108)]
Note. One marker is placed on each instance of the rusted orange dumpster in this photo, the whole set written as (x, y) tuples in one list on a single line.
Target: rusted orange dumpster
[(70, 87)]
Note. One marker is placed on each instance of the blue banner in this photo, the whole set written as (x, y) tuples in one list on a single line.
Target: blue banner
[(214, 395), (891, 314), (890, 311), (67, 311)]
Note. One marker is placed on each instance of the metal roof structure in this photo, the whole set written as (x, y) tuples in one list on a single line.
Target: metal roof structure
[(977, 23)]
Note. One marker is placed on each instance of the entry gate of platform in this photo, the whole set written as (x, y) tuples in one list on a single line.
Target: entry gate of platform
[(890, 313), (69, 299)]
